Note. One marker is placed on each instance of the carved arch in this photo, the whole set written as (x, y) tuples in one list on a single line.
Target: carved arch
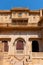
[(19, 39)]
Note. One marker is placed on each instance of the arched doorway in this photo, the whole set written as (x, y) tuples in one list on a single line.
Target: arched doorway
[(35, 46)]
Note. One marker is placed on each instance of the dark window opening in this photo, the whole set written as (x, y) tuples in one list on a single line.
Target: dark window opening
[(5, 46), (19, 45), (19, 22), (35, 46)]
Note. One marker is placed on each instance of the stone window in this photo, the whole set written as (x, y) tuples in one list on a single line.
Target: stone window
[(19, 14), (19, 45), (5, 46)]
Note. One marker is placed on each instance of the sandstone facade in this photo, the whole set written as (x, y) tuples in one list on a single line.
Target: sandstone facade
[(21, 37)]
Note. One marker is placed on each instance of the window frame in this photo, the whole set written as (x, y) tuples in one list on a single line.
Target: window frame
[(18, 46), (5, 44)]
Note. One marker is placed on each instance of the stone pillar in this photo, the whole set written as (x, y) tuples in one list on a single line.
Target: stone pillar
[(40, 12), (1, 53)]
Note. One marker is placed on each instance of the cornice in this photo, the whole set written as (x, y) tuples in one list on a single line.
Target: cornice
[(21, 27), (21, 10), (39, 38), (4, 11)]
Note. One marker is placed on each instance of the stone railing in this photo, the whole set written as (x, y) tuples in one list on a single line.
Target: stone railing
[(37, 54), (33, 24), (18, 25)]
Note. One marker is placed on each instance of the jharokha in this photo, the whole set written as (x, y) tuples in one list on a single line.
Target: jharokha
[(21, 37)]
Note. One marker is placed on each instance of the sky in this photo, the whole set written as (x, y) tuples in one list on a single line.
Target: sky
[(30, 4)]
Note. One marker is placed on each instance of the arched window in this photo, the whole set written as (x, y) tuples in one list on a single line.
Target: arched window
[(35, 46), (19, 45)]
